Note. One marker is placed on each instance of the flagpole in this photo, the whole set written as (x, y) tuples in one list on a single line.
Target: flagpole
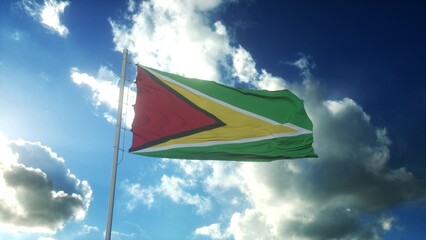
[(116, 148)]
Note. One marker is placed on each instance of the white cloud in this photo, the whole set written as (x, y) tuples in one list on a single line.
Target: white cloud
[(302, 63), (244, 67), (269, 82), (39, 194), (48, 14), (250, 224), (131, 5), (172, 187), (88, 229), (105, 92), (138, 194), (213, 176), (120, 235), (175, 36), (103, 85), (213, 231)]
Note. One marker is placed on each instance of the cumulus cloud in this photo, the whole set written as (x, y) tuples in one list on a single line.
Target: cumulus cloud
[(174, 36), (39, 194), (48, 14)]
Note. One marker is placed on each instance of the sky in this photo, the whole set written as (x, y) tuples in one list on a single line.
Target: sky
[(359, 67)]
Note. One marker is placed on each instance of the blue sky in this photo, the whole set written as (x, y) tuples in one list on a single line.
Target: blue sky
[(360, 69)]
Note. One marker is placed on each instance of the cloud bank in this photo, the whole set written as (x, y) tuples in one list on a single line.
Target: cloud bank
[(39, 194)]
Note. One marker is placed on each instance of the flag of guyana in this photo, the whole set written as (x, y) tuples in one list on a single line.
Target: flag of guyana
[(184, 118)]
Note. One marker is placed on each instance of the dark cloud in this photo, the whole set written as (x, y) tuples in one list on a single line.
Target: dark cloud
[(43, 194), (319, 227), (36, 156)]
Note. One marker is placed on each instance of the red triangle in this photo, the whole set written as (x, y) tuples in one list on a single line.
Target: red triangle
[(162, 114)]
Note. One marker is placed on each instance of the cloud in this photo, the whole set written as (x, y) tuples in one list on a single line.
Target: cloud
[(120, 235), (48, 14), (39, 194), (244, 70), (16, 35), (88, 229), (131, 5), (304, 62), (173, 188), (213, 231), (244, 67), (105, 92), (193, 175), (175, 36), (138, 194)]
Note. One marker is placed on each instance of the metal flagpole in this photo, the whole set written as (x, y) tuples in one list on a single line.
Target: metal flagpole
[(116, 148)]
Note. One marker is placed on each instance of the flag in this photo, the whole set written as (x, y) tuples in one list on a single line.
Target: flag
[(185, 118)]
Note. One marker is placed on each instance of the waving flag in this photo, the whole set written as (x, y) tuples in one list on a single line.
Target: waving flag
[(178, 117)]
